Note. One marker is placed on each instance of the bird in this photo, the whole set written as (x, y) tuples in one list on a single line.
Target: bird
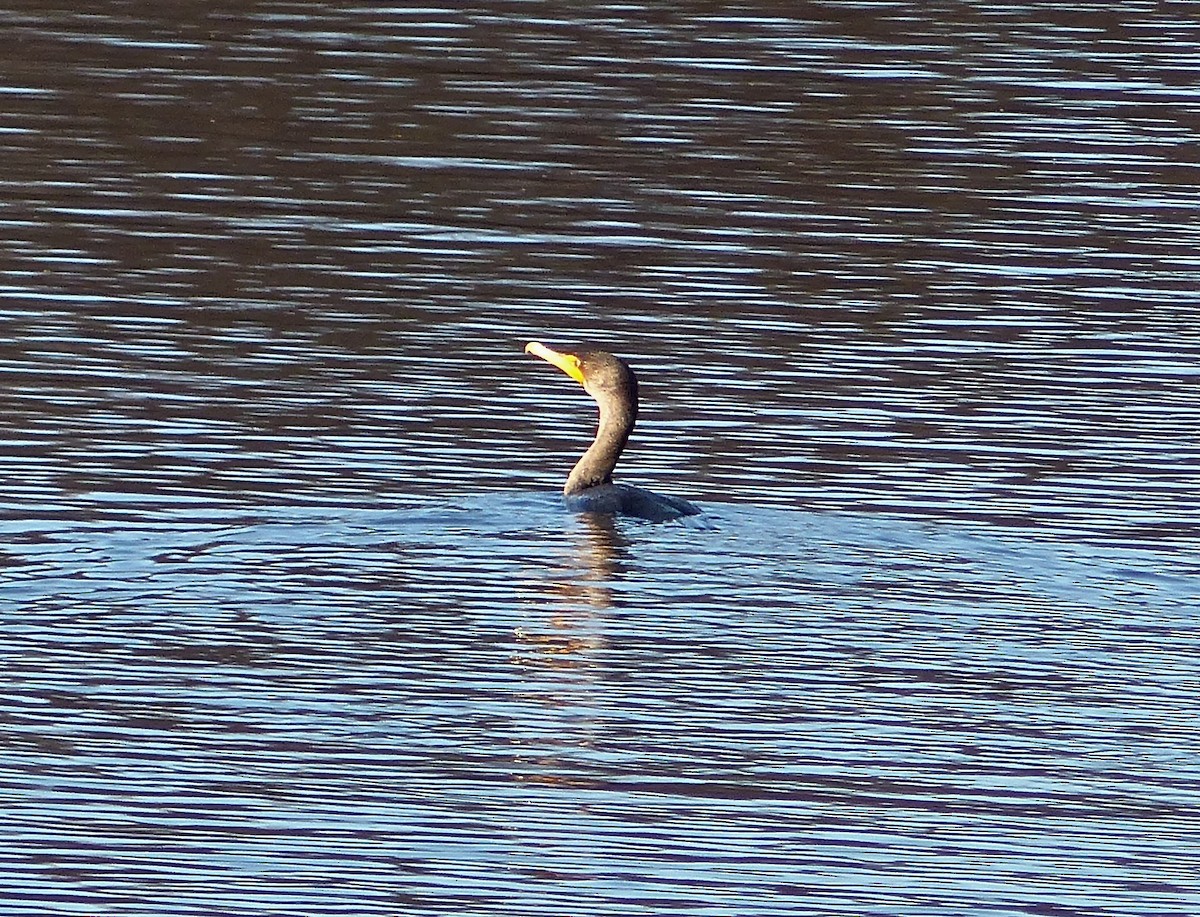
[(589, 487)]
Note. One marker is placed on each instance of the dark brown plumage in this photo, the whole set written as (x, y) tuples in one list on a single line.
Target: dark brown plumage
[(589, 486)]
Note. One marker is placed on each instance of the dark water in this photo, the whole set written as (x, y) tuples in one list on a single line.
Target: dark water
[(291, 619)]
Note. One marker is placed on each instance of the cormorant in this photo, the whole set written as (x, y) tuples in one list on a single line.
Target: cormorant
[(589, 487)]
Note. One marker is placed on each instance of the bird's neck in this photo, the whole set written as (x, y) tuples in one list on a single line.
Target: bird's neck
[(596, 465)]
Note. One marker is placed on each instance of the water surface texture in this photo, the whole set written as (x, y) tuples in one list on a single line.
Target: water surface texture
[(292, 620)]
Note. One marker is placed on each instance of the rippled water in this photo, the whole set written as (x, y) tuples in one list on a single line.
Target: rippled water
[(293, 621)]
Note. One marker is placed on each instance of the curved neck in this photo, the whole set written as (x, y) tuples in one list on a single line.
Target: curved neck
[(596, 466)]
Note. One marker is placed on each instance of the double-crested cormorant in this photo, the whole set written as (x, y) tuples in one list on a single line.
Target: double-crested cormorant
[(589, 487)]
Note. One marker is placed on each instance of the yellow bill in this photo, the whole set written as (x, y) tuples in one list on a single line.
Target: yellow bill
[(567, 362)]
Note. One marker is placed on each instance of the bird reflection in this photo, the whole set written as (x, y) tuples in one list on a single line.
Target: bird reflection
[(597, 561)]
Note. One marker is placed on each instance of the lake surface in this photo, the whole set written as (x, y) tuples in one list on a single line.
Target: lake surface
[(291, 616)]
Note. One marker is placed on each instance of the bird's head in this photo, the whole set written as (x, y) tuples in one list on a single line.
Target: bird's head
[(602, 375)]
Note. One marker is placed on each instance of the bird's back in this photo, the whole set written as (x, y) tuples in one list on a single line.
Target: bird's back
[(627, 500)]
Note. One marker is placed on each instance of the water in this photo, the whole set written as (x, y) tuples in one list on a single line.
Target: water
[(293, 621)]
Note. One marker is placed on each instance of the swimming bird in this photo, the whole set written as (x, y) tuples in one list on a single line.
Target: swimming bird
[(589, 486)]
